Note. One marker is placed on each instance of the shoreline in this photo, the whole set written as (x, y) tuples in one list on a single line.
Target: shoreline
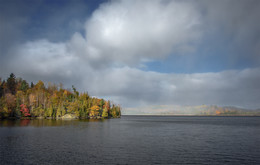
[(59, 118)]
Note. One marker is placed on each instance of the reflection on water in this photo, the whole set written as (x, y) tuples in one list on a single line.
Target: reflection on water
[(25, 122), (132, 140), (44, 122)]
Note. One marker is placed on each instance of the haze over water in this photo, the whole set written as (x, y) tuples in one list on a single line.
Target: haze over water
[(132, 140)]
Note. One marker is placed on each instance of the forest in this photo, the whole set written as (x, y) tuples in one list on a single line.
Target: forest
[(18, 99)]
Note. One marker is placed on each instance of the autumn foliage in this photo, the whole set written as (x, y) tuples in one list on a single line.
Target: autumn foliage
[(24, 110), (19, 99)]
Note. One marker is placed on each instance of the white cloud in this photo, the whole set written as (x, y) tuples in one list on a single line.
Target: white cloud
[(234, 23), (133, 87), (132, 31), (43, 56)]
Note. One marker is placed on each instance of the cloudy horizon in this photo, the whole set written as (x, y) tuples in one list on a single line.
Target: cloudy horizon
[(138, 53)]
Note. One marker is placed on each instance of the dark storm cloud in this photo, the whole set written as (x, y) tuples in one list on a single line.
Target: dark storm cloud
[(233, 25), (12, 21), (30, 20)]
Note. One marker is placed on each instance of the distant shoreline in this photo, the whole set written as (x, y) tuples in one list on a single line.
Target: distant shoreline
[(194, 115)]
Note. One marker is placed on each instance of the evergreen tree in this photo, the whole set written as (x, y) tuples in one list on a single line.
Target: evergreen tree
[(11, 84), (32, 85), (24, 86), (1, 89)]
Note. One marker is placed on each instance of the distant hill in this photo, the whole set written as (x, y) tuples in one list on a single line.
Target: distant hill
[(191, 110)]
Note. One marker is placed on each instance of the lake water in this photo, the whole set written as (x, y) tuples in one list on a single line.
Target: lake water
[(132, 140)]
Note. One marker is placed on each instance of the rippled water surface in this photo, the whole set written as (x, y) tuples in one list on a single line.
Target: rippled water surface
[(132, 140)]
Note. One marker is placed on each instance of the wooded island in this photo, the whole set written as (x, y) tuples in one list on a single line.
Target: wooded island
[(18, 99)]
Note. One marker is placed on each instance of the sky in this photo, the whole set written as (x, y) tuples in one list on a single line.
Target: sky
[(137, 53)]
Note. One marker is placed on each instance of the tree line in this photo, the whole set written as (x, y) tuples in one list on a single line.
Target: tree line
[(19, 99)]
